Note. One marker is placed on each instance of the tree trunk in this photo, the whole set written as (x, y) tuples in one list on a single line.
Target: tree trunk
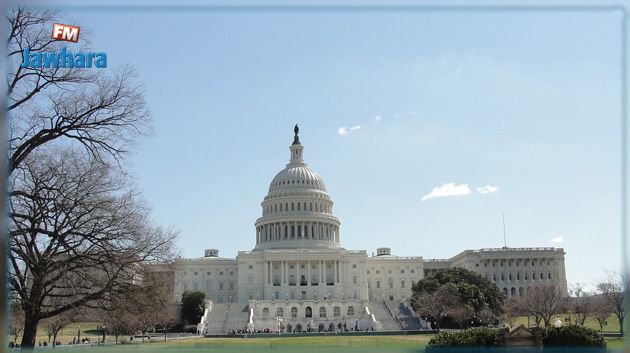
[(30, 332), (620, 318), (54, 340)]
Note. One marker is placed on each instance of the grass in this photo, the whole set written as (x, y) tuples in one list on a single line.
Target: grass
[(613, 323), (341, 344)]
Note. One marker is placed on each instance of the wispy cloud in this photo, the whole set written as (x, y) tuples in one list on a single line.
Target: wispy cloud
[(412, 113), (557, 240), (488, 189), (378, 118), (345, 130), (447, 190)]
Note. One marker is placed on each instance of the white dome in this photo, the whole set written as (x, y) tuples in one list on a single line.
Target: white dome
[(297, 211), (297, 176)]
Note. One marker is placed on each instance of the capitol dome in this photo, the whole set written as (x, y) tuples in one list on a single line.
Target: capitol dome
[(297, 211)]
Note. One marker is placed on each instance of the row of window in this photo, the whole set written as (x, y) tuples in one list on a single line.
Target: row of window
[(308, 312), (525, 263), (208, 286), (390, 284), (297, 206), (208, 273), (390, 271), (526, 276), (293, 182)]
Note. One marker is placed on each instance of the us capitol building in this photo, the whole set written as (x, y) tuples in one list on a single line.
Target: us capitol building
[(298, 275)]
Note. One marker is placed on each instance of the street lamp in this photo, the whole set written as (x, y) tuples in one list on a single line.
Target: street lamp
[(103, 334), (79, 334), (557, 324)]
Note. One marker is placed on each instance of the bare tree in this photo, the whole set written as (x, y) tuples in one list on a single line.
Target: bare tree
[(103, 113), (16, 326), (80, 233), (542, 302), (461, 314), (55, 324), (601, 311), (580, 304), (511, 311), (438, 304), (613, 291)]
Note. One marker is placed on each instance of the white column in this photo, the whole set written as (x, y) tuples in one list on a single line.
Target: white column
[(297, 273), (319, 280), (335, 273), (308, 273)]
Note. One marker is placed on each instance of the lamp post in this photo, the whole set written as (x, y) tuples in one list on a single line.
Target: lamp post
[(103, 334), (557, 324), (79, 335)]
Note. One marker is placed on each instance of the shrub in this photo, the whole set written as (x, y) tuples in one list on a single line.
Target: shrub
[(474, 337), (190, 329), (573, 336)]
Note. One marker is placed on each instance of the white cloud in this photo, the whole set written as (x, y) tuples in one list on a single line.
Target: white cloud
[(488, 189), (345, 130), (412, 113), (446, 190), (557, 240), (378, 118)]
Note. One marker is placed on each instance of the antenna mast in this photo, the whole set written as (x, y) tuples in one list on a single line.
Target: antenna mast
[(504, 236)]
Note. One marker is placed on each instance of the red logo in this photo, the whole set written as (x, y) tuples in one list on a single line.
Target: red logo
[(65, 32)]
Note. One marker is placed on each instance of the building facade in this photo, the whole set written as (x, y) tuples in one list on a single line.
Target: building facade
[(298, 273)]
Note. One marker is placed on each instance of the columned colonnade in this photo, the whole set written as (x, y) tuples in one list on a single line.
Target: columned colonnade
[(297, 230), (278, 273)]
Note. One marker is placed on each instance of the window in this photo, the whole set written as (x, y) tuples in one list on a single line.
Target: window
[(336, 312), (207, 273), (391, 297), (402, 271), (350, 311), (251, 267), (265, 313), (308, 312), (378, 271), (354, 279), (231, 273), (378, 284), (231, 285), (208, 284), (195, 273), (294, 312), (220, 285), (322, 312), (402, 284), (220, 273), (548, 275), (413, 271), (390, 282), (280, 312), (195, 286)]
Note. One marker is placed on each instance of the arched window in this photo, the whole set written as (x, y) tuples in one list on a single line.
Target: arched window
[(308, 312), (265, 313), (294, 312), (505, 291), (350, 311), (336, 311), (280, 312), (512, 292), (322, 312), (520, 291)]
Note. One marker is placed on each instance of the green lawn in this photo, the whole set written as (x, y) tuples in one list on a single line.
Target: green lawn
[(613, 323), (341, 344)]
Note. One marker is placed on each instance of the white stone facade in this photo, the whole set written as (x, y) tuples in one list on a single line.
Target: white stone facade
[(298, 262)]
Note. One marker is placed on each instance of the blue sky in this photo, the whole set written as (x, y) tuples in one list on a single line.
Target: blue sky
[(524, 102)]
